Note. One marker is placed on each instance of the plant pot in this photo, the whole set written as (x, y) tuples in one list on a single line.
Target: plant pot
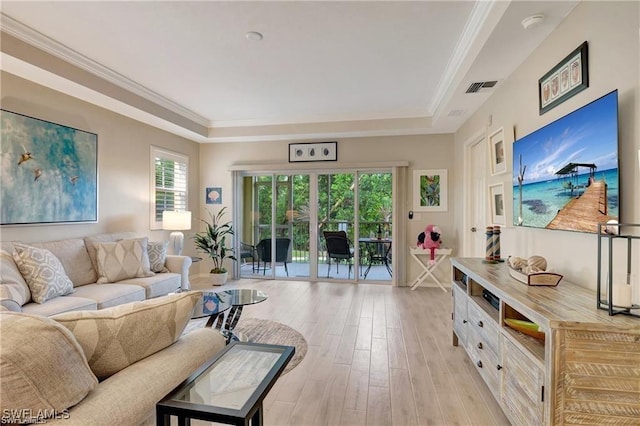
[(219, 279)]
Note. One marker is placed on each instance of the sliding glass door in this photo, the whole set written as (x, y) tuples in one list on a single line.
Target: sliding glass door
[(336, 226), (316, 226)]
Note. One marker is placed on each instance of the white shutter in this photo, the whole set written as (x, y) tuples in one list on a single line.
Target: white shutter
[(169, 177)]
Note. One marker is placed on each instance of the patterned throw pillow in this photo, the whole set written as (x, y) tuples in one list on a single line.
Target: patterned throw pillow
[(117, 337), (43, 273), (157, 255), (123, 259), (42, 367)]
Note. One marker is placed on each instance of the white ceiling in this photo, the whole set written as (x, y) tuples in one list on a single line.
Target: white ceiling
[(323, 69)]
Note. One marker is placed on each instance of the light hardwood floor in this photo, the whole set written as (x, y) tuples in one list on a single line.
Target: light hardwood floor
[(377, 356)]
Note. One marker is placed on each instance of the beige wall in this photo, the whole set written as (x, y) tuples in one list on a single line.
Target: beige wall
[(612, 30), (422, 152), (123, 161)]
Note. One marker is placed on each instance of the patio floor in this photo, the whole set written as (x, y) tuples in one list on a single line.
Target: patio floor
[(378, 272)]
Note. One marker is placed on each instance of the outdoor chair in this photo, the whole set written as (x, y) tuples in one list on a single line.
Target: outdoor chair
[(248, 251), (263, 248), (338, 248)]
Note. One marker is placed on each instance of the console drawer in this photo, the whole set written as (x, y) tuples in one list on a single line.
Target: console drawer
[(484, 327), (486, 363)]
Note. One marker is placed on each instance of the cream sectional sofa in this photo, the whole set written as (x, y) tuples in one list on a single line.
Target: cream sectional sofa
[(78, 256), (102, 367)]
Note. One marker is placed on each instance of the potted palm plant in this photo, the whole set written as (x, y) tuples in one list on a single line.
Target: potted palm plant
[(212, 241)]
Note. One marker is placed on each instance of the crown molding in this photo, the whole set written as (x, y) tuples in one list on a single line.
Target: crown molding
[(46, 44), (309, 136), (316, 119), (475, 23)]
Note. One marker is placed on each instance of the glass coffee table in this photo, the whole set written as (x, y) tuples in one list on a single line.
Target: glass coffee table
[(215, 305), (229, 388)]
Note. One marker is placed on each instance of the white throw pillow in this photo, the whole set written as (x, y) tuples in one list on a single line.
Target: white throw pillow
[(123, 259), (157, 255), (43, 273)]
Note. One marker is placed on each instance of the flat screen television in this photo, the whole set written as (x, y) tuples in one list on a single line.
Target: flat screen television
[(565, 174)]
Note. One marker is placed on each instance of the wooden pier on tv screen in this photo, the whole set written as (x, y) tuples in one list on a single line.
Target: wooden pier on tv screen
[(584, 212)]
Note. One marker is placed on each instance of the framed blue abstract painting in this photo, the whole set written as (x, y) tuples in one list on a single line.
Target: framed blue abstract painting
[(49, 172)]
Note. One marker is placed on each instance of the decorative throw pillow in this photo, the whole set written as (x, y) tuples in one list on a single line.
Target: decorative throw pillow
[(43, 273), (117, 337), (157, 255), (12, 284), (9, 305), (123, 259), (42, 367)]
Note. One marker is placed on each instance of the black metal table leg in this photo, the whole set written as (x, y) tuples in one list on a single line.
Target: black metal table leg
[(257, 418)]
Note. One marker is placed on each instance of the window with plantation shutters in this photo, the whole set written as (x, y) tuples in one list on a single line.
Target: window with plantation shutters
[(169, 176)]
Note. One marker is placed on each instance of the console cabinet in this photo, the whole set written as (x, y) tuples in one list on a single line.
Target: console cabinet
[(586, 369)]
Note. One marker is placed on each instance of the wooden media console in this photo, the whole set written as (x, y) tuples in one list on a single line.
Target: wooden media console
[(586, 369)]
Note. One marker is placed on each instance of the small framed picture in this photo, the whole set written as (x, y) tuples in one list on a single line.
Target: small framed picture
[(497, 147), (213, 195), (496, 200), (567, 78), (430, 190), (313, 151)]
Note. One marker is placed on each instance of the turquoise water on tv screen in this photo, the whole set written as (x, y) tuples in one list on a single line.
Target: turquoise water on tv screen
[(542, 200)]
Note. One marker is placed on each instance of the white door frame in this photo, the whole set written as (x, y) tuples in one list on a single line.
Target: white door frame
[(479, 136), (398, 243)]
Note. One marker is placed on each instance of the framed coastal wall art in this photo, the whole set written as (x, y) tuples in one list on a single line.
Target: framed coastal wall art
[(567, 78), (496, 200), (430, 190), (313, 151), (213, 195), (496, 146), (49, 172)]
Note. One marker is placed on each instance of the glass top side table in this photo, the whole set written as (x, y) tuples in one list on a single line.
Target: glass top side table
[(230, 388)]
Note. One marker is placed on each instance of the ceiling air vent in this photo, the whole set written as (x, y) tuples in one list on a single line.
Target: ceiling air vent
[(455, 113), (477, 86)]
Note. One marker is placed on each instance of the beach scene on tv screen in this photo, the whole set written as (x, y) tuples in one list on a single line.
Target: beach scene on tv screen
[(565, 175)]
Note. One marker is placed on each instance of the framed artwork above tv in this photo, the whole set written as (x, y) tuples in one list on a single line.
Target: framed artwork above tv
[(569, 77), (566, 174)]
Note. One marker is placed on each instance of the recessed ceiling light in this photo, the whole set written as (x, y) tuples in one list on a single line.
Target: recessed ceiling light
[(253, 36), (532, 20)]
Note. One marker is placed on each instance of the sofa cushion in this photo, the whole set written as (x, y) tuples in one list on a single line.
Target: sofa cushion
[(10, 276), (123, 259), (43, 273), (40, 374), (108, 295), (158, 285), (116, 337), (157, 255), (73, 255), (60, 305), (130, 396)]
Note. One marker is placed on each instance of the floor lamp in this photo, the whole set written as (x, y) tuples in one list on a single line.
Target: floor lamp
[(176, 221)]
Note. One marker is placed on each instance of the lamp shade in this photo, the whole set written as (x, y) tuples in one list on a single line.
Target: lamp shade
[(176, 220)]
